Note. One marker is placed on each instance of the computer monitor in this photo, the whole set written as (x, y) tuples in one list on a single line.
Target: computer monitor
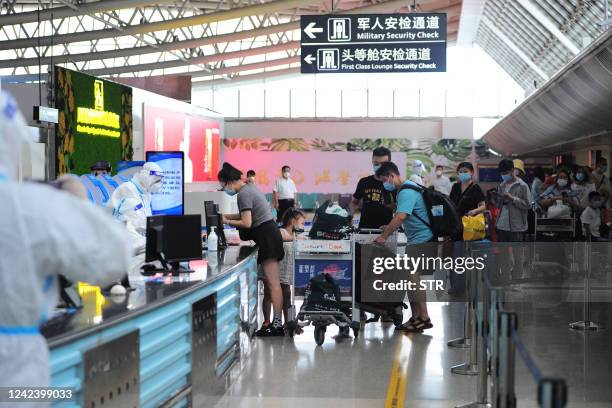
[(213, 219), (172, 239)]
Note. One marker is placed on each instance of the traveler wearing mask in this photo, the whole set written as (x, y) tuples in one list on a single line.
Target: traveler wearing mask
[(250, 177), (591, 217), (513, 200), (412, 214), (131, 201), (601, 181), (43, 232), (582, 186), (467, 196), (293, 223), (255, 219), (418, 169), (519, 168), (376, 202), (284, 193), (560, 191), (440, 182)]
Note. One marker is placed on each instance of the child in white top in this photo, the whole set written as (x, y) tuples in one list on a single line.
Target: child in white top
[(591, 216), (293, 222)]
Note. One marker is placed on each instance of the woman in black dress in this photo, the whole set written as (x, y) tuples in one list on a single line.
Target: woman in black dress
[(467, 195), (255, 220)]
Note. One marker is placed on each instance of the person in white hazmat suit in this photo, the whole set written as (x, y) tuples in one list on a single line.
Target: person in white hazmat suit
[(43, 232), (131, 203)]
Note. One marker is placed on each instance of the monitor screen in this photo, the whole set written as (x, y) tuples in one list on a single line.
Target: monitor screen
[(169, 200), (177, 236)]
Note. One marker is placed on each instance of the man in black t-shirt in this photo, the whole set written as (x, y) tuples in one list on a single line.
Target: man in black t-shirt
[(376, 202)]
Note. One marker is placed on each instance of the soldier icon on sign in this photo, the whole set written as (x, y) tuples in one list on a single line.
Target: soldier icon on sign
[(339, 29)]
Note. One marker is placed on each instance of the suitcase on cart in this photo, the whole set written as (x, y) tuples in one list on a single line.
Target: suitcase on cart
[(392, 311)]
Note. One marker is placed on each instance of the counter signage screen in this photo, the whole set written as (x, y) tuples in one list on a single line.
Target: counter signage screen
[(169, 200), (196, 136), (94, 121), (339, 269)]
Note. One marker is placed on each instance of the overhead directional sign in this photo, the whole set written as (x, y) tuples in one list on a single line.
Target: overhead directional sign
[(414, 42)]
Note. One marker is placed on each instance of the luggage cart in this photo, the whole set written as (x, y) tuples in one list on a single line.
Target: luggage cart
[(554, 229), (336, 257)]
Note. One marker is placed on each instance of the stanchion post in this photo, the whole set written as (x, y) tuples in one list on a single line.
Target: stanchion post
[(471, 366), (494, 344), (552, 393), (586, 323), (482, 323), (506, 397), (466, 340)]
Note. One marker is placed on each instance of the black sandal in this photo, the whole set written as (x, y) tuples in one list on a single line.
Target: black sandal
[(410, 326), (423, 324)]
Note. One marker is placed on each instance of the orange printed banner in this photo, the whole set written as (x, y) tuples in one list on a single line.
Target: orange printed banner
[(313, 171)]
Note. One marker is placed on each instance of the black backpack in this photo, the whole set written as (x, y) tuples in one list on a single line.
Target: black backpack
[(445, 222), (329, 226), (322, 294)]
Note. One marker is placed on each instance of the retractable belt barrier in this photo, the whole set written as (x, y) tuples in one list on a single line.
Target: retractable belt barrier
[(492, 335)]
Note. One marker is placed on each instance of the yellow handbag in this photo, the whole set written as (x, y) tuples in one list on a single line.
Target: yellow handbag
[(473, 227)]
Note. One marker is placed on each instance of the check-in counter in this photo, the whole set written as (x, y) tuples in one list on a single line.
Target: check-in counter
[(173, 341)]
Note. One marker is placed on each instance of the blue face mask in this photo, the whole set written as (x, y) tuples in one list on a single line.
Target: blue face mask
[(506, 177), (375, 168), (465, 177), (229, 191), (579, 176), (389, 186)]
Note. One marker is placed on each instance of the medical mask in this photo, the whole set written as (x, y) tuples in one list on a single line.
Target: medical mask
[(579, 176), (438, 173), (156, 186), (506, 177), (562, 182), (596, 203), (286, 174), (465, 177), (229, 191), (417, 170), (375, 167), (389, 186)]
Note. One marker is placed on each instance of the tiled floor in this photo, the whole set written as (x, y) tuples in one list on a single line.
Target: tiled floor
[(356, 373)]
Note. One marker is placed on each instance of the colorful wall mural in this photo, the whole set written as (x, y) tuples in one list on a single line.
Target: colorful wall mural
[(319, 171)]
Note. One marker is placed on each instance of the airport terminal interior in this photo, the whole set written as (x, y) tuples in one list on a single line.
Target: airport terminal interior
[(306, 203)]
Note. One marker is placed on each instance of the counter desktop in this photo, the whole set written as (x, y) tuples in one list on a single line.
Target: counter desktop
[(207, 316)]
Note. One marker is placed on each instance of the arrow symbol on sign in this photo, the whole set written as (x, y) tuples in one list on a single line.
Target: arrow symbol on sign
[(311, 29), (309, 59)]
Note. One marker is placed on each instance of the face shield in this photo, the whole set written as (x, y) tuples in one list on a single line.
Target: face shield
[(151, 177)]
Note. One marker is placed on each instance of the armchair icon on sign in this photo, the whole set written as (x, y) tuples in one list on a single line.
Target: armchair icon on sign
[(328, 59), (339, 29)]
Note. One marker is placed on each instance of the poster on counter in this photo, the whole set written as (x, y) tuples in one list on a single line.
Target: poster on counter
[(169, 199), (196, 136), (339, 269)]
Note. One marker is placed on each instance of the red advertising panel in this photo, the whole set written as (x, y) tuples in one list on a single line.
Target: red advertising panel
[(196, 136)]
